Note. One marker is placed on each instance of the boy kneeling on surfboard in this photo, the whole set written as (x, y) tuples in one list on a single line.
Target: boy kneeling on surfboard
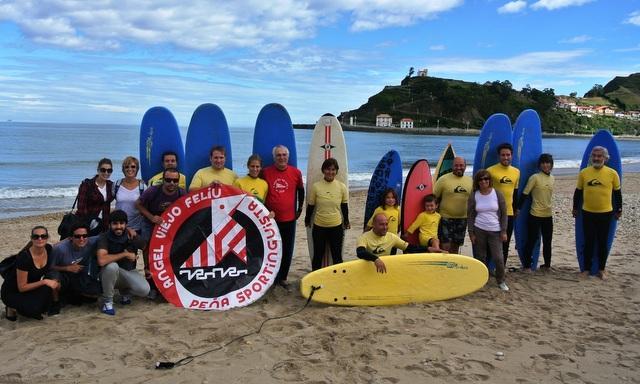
[(379, 242)]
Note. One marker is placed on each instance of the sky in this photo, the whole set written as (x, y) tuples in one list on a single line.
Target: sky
[(105, 61)]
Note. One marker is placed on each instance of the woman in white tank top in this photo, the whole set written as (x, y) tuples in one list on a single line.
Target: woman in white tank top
[(487, 223), (127, 190)]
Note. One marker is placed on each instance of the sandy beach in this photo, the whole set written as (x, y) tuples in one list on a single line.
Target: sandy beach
[(551, 327)]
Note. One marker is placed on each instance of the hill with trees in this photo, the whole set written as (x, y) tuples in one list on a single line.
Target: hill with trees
[(432, 101)]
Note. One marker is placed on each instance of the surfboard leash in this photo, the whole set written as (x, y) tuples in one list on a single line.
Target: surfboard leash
[(186, 360)]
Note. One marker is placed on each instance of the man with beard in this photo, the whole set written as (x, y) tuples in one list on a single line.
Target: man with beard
[(117, 256), (452, 191), (505, 178), (599, 187)]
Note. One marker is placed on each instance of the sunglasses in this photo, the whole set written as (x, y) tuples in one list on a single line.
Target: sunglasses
[(81, 236), (170, 180), (130, 167), (484, 179), (106, 170), (43, 236)]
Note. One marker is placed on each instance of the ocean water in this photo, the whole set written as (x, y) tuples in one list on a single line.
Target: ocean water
[(42, 164)]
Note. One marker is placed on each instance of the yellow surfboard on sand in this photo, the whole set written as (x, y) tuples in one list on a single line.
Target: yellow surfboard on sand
[(409, 279)]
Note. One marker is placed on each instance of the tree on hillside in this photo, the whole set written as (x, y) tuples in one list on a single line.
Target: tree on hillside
[(573, 94), (596, 91), (411, 71)]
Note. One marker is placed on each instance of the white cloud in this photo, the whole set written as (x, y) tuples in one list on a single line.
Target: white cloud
[(513, 7), (634, 18), (576, 39), (438, 47), (557, 4), (203, 25), (552, 62)]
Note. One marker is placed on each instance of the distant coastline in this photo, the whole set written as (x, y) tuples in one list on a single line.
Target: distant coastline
[(443, 131)]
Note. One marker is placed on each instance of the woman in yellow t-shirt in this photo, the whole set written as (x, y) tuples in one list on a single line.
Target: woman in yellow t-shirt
[(328, 201), (252, 184)]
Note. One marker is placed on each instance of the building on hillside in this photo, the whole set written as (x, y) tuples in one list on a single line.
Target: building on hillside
[(422, 72), (406, 123), (383, 120), (604, 111)]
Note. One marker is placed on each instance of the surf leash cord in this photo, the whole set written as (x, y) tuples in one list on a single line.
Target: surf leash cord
[(186, 360)]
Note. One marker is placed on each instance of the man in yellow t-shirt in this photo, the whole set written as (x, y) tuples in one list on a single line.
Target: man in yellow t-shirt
[(505, 178), (378, 242), (169, 161), (216, 173), (452, 192), (600, 191)]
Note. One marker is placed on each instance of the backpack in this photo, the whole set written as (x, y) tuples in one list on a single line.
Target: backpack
[(141, 187)]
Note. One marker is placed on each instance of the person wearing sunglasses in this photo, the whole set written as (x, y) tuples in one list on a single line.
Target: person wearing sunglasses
[(32, 290), (155, 200), (487, 223), (127, 190), (74, 259), (95, 196)]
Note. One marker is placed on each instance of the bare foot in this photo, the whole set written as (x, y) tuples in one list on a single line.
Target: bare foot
[(584, 274), (602, 275)]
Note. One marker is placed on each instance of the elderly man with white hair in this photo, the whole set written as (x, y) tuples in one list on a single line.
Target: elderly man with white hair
[(599, 187)]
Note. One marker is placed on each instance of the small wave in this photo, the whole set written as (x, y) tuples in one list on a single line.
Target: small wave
[(26, 193)]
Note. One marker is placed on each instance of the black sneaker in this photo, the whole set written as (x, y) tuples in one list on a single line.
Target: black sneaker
[(54, 309)]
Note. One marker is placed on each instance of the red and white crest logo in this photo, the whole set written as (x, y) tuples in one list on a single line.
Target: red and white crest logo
[(217, 249)]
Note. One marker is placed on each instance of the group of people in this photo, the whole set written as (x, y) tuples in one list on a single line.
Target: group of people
[(486, 205), (101, 252)]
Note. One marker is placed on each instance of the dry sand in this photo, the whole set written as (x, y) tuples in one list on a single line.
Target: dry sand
[(551, 327)]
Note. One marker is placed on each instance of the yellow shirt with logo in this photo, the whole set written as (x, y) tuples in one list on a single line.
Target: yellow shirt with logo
[(428, 224), (157, 180), (205, 176), (505, 180), (597, 186), (392, 214), (253, 185), (327, 197), (453, 192), (381, 245), (540, 187)]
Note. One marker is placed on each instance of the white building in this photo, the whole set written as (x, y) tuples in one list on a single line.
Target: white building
[(406, 123), (383, 120)]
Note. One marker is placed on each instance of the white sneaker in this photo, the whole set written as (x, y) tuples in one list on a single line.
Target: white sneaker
[(503, 286)]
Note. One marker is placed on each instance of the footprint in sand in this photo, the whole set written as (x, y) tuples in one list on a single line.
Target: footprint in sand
[(287, 370)]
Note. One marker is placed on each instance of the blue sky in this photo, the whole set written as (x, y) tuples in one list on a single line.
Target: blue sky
[(109, 61)]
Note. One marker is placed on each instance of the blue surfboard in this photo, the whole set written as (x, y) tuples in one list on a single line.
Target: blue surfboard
[(604, 139), (273, 127), (527, 148), (388, 174), (208, 127), (496, 130), (159, 133)]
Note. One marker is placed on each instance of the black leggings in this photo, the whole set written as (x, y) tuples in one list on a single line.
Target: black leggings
[(596, 233), (536, 226), (323, 236)]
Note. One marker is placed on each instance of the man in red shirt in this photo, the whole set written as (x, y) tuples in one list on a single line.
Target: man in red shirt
[(285, 198)]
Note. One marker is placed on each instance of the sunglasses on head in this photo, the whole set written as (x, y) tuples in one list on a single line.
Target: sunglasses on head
[(106, 170), (43, 236), (80, 236), (170, 180)]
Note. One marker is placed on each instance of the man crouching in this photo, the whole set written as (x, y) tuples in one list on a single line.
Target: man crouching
[(117, 256)]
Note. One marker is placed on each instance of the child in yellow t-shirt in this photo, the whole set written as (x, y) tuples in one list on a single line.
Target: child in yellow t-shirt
[(427, 222), (390, 208)]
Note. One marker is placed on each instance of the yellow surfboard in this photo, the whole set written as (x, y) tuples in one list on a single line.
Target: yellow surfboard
[(409, 279)]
